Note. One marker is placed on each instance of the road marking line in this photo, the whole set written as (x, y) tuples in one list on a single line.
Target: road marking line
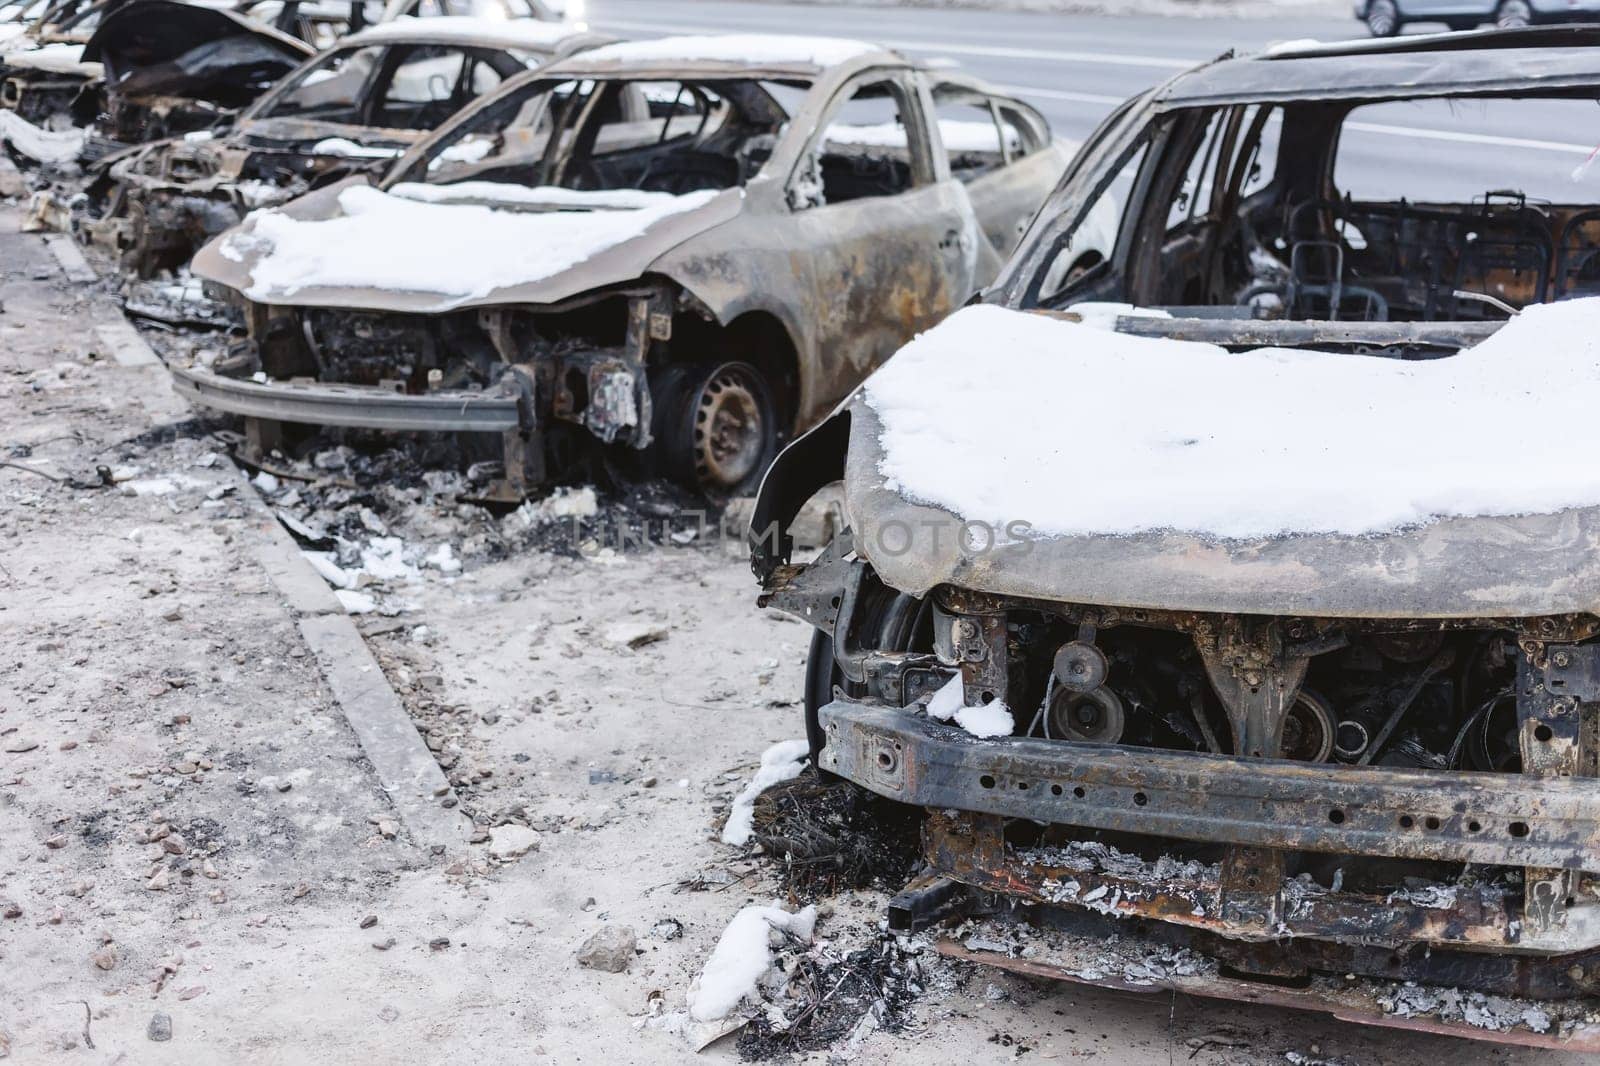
[(1110, 59), (1061, 94), (1380, 128), (1469, 138)]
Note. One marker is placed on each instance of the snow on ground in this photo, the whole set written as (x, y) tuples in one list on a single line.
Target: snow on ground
[(781, 762), (753, 49), (43, 146), (385, 241), (992, 719), (742, 957), (1255, 444)]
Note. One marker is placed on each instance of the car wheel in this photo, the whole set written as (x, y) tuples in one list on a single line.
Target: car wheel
[(890, 621), (1513, 14), (1383, 18), (719, 427)]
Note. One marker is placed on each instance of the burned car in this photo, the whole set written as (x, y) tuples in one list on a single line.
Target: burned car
[(42, 69), (1231, 604), (353, 109), (171, 67), (664, 255), (130, 71)]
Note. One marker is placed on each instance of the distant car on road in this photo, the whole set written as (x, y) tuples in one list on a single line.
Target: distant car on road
[(1385, 18)]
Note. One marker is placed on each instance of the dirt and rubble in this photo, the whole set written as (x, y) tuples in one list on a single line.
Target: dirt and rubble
[(203, 864)]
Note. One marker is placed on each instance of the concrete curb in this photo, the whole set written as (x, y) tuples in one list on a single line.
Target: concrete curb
[(406, 769), (72, 262)]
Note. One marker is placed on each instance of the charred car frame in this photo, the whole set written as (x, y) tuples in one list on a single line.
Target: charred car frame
[(819, 202), (1332, 772), (352, 109)]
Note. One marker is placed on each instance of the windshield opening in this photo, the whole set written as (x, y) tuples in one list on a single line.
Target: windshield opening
[(654, 135), (1445, 209)]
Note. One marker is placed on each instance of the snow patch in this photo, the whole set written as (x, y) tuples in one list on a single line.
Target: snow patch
[(1237, 445), (992, 719), (345, 148), (355, 602), (385, 241), (782, 762), (55, 59), (40, 145), (495, 192), (743, 956), (562, 503)]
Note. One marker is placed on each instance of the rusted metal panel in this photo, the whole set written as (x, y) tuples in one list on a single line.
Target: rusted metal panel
[(1505, 819)]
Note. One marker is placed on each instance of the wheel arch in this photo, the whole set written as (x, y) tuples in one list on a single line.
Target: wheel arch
[(757, 336)]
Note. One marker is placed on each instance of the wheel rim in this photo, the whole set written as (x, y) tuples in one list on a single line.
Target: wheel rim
[(1381, 18), (729, 430), (1513, 15)]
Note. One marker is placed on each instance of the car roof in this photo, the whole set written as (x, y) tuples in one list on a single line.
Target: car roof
[(738, 53), (1534, 59), (529, 34)]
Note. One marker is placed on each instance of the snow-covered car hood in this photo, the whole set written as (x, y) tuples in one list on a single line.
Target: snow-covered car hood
[(1020, 454), (60, 58), (434, 248)]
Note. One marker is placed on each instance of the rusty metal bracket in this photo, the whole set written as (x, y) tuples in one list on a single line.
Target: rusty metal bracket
[(1553, 685), (812, 592), (1503, 819)]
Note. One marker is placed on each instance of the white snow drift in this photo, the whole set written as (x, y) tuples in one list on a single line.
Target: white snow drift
[(387, 241), (1002, 416), (742, 957), (40, 145), (949, 704), (782, 762)]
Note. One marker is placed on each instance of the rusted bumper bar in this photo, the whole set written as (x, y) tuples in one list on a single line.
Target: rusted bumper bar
[(970, 850), (358, 406), (1490, 1019), (1501, 819)]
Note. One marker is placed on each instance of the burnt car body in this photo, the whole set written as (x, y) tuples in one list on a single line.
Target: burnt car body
[(138, 70), (1347, 770), (352, 109), (42, 69), (786, 211), (171, 67)]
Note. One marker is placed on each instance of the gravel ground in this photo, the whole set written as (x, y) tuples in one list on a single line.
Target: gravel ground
[(198, 864)]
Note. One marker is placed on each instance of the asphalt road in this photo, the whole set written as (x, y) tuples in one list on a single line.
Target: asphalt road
[(1075, 68)]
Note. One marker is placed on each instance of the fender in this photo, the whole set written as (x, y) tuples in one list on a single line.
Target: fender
[(814, 459)]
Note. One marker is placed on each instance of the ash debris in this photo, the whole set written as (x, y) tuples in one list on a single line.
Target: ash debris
[(426, 491), (829, 998), (825, 836)]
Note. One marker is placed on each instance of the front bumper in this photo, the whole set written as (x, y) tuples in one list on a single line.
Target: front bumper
[(1377, 812), (358, 406)]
